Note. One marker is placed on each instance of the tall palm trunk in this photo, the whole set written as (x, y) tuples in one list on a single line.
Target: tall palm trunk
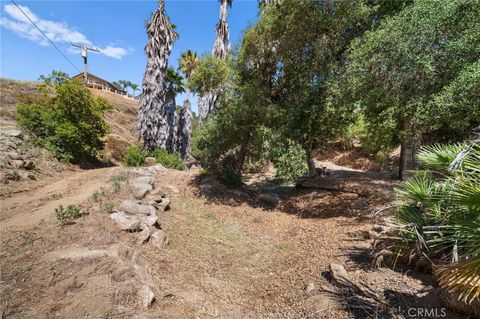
[(208, 103), (185, 130), (152, 126), (171, 117)]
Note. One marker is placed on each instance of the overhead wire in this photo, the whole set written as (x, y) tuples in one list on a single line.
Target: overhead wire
[(54, 45)]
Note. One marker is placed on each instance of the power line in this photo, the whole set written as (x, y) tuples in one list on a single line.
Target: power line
[(36, 26)]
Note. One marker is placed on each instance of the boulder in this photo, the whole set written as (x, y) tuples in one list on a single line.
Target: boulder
[(144, 180), (156, 168), (137, 208), (146, 296), (340, 276), (14, 133), (126, 222), (139, 171), (163, 205), (159, 239), (172, 189), (269, 199), (17, 163), (141, 190), (149, 161), (144, 235), (157, 192), (149, 221)]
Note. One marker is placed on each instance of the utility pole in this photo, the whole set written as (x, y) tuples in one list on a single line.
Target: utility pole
[(85, 49)]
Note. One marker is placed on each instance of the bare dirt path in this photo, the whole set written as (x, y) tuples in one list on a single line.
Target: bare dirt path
[(36, 203)]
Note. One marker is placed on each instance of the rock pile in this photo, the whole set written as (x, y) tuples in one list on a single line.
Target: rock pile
[(11, 160), (139, 216)]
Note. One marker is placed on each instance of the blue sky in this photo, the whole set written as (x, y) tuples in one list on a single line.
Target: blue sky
[(116, 27)]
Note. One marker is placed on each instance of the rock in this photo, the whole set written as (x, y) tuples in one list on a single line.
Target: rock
[(11, 174), (359, 204), (144, 180), (269, 199), (149, 221), (126, 222), (138, 171), (321, 305), (13, 155), (31, 177), (340, 275), (157, 192), (156, 168), (155, 198), (136, 208), (149, 161), (163, 205), (146, 296), (141, 190), (18, 163), (310, 287), (144, 235), (159, 239), (14, 133)]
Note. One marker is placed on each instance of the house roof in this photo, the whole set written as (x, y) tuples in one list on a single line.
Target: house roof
[(94, 78)]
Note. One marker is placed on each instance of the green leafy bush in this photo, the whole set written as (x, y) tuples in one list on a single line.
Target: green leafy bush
[(134, 156), (229, 178), (168, 160), (289, 160), (70, 123), (65, 215)]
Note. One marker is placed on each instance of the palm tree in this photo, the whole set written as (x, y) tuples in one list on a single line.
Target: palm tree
[(439, 213), (188, 62), (174, 85), (221, 48), (134, 88), (184, 132), (152, 126)]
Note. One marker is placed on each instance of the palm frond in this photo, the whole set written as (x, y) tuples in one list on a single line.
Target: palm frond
[(439, 156), (463, 278)]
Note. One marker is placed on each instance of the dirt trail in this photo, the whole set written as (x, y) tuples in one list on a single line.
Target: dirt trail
[(30, 206)]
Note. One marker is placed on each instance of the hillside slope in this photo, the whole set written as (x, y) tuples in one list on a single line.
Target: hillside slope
[(22, 161)]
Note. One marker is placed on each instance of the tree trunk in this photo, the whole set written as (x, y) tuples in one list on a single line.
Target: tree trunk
[(407, 155), (310, 162), (185, 130)]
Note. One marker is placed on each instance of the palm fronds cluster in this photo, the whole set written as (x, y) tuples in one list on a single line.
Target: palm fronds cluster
[(439, 212)]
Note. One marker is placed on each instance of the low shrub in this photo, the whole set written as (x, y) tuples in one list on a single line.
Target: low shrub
[(65, 215), (134, 156), (70, 123), (168, 160)]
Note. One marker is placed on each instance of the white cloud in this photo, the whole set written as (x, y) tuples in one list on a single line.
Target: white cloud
[(58, 32)]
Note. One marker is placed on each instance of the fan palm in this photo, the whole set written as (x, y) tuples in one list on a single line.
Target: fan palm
[(440, 213), (188, 62), (134, 88), (174, 85), (152, 126)]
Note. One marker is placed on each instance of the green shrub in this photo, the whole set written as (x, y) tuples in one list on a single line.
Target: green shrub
[(289, 160), (168, 160), (108, 208), (65, 215), (229, 178), (70, 124), (134, 156)]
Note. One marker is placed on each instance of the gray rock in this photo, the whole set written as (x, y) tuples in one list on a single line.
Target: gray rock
[(310, 287), (156, 168), (154, 199), (141, 190), (159, 239), (144, 235), (11, 174), (13, 155), (136, 208), (17, 163), (144, 180), (269, 199), (149, 161), (149, 221), (126, 222), (146, 296), (163, 205), (157, 192), (139, 171), (359, 204), (14, 133), (340, 275)]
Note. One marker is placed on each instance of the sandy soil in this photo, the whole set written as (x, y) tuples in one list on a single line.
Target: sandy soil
[(229, 256)]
